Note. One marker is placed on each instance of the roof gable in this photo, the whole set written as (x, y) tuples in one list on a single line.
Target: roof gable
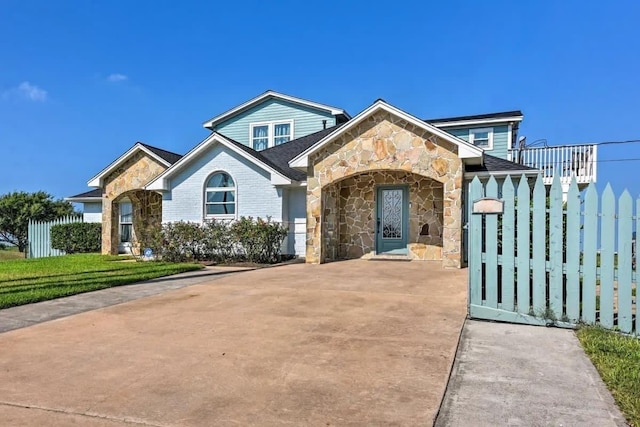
[(269, 95), (278, 176), (165, 158), (465, 150)]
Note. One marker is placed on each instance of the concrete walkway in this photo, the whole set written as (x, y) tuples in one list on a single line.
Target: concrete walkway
[(32, 314), (517, 375)]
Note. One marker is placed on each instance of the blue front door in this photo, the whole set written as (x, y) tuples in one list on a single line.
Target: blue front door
[(392, 218)]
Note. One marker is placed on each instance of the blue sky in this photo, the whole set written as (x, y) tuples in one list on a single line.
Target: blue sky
[(80, 82)]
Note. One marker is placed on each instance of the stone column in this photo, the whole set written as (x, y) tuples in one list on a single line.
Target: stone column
[(110, 226), (452, 230)]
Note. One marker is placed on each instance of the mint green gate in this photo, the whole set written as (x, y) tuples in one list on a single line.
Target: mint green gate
[(545, 261)]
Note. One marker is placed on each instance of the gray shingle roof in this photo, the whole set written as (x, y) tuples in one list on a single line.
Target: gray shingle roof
[(278, 157), (170, 157), (496, 164), (500, 115), (97, 193)]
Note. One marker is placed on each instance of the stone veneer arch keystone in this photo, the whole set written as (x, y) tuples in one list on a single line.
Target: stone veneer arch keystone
[(382, 142)]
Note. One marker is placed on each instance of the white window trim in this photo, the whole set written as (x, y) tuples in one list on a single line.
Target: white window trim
[(472, 133), (207, 189), (270, 134)]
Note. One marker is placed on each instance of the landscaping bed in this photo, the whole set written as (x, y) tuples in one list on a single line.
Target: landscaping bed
[(24, 281), (617, 359)]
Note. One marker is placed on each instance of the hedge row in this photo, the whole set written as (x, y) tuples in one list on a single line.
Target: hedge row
[(77, 237), (247, 239)]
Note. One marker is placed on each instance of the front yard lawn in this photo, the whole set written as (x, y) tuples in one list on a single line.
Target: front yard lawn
[(617, 359), (25, 281), (10, 253)]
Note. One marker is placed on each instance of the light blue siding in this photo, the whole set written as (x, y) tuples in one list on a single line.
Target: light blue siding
[(305, 120), (255, 194), (500, 138)]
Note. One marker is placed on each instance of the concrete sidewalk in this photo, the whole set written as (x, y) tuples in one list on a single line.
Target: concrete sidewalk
[(517, 375), (31, 314)]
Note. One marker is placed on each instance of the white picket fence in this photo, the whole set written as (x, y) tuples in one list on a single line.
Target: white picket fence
[(39, 236)]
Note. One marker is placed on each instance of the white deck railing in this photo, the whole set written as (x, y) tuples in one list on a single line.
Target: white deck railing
[(563, 160)]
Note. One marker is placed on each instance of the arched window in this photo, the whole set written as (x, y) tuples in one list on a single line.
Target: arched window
[(220, 196)]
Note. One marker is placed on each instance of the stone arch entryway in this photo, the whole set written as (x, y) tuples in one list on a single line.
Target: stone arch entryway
[(387, 148), (127, 182), (146, 212), (352, 215)]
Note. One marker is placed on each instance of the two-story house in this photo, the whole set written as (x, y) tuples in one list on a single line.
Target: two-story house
[(383, 182)]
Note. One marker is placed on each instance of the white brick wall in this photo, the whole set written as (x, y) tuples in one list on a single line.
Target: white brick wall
[(254, 193), (92, 212)]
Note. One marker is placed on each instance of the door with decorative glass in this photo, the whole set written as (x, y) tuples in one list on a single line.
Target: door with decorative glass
[(392, 220)]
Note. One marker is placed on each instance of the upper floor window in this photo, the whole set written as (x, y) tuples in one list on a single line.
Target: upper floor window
[(269, 134), (220, 196), (482, 138)]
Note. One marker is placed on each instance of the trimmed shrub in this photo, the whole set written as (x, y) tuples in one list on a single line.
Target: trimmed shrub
[(77, 237), (219, 244), (261, 240)]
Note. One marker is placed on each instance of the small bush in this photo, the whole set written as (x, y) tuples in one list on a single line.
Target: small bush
[(260, 240), (3, 247), (77, 237), (219, 244)]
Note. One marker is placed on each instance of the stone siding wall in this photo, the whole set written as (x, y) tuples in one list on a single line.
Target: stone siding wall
[(385, 142), (133, 174), (357, 213)]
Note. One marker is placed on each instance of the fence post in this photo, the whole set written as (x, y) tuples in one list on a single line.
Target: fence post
[(625, 316), (508, 266), (607, 261), (491, 249), (475, 246), (590, 255), (556, 255), (523, 229), (573, 251), (539, 248)]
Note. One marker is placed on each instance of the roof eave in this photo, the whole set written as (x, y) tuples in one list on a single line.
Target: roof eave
[(477, 122), (83, 199)]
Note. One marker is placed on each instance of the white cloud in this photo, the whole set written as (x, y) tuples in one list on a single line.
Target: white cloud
[(114, 78), (27, 91)]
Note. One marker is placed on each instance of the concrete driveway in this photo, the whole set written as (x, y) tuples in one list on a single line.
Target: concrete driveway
[(347, 343)]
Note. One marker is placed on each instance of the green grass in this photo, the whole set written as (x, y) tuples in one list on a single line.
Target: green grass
[(26, 281), (617, 359), (10, 253)]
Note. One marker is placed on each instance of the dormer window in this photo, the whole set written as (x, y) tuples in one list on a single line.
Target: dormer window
[(269, 134), (482, 138)]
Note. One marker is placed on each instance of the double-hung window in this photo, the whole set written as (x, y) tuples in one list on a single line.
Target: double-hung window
[(126, 221), (220, 196), (482, 138), (269, 134)]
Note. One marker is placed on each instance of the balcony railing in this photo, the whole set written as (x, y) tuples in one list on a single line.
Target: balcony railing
[(563, 160)]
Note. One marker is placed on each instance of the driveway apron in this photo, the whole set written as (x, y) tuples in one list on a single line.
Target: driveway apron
[(346, 343)]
